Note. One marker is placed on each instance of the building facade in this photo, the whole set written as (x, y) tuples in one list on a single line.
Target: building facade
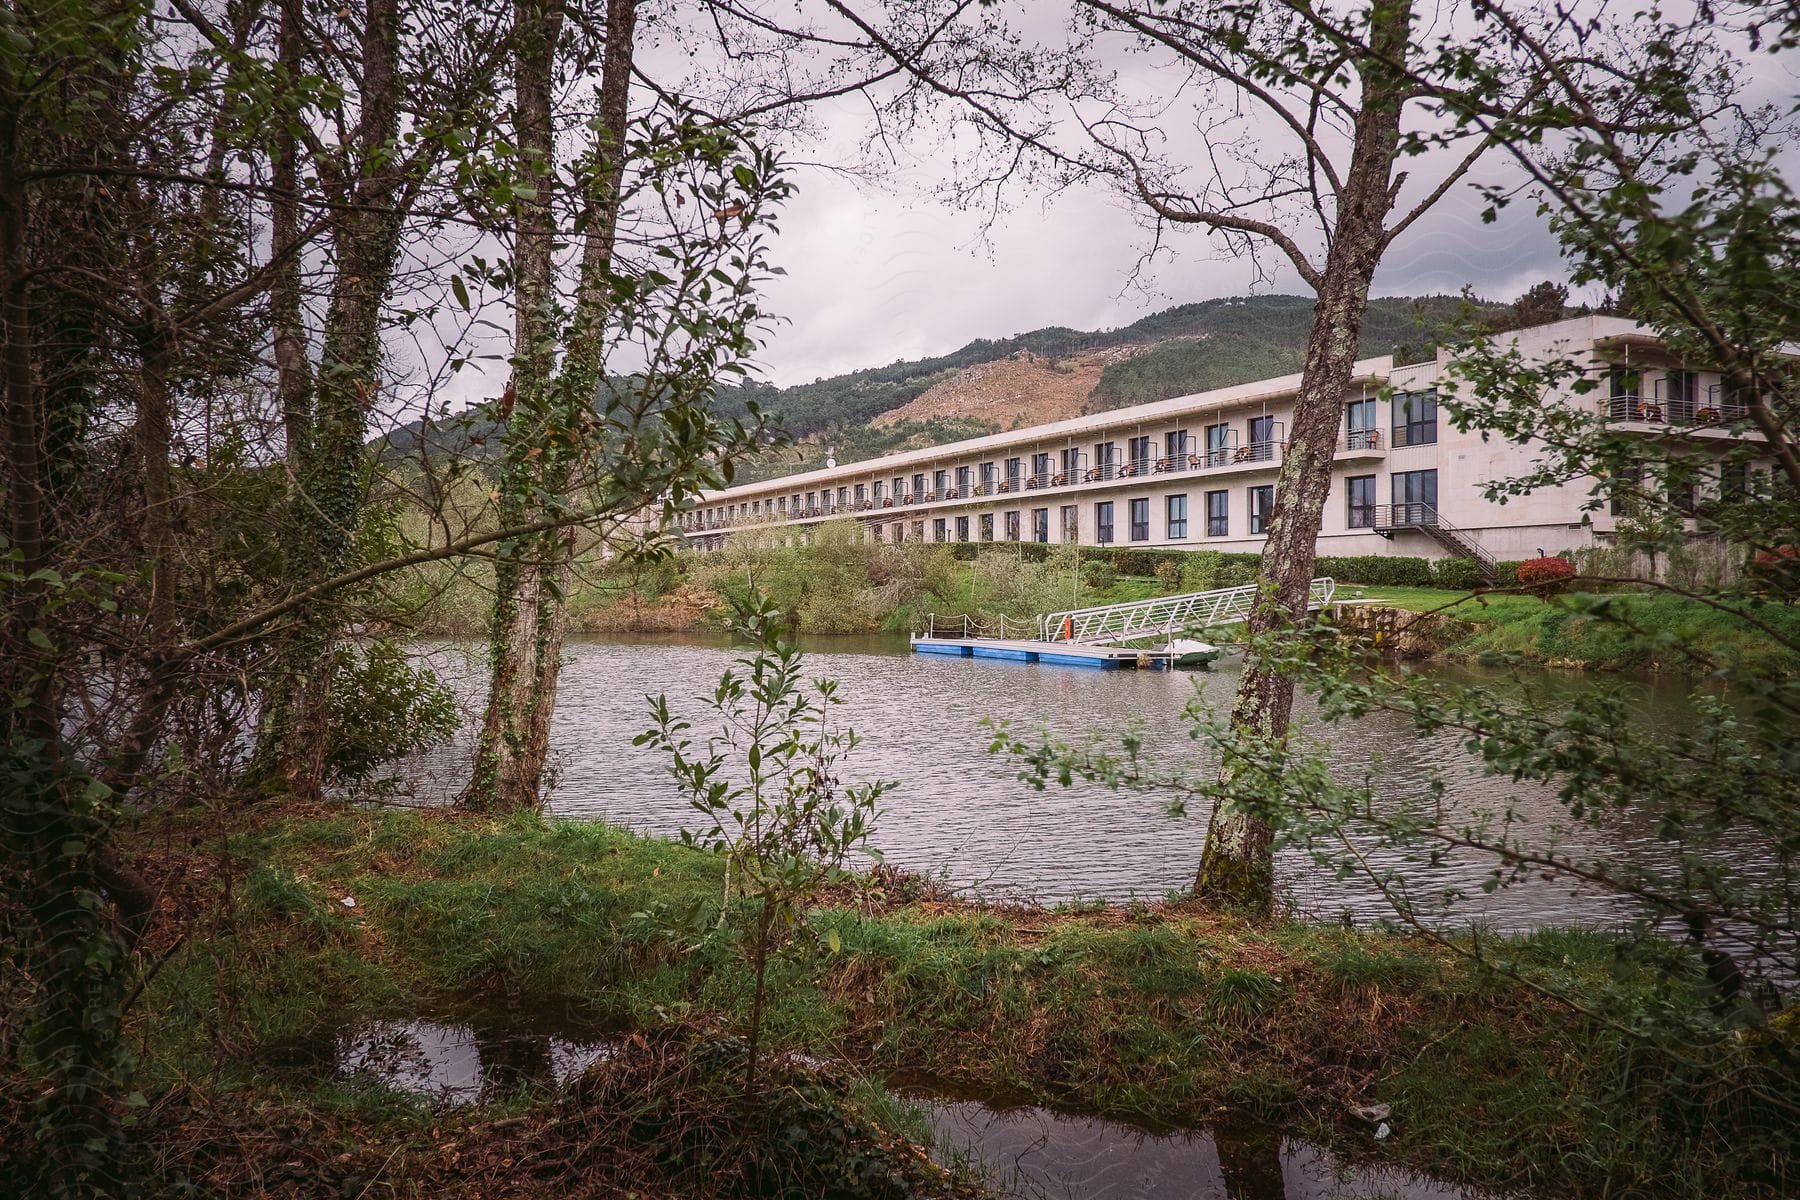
[(1199, 471)]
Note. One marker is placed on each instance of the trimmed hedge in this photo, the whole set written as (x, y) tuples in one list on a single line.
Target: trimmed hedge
[(1201, 569)]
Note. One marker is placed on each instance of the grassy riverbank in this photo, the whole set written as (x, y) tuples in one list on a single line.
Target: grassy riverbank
[(1162, 1013), (842, 585), (1619, 631)]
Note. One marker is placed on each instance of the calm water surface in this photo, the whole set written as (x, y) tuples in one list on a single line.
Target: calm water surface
[(961, 813), (1025, 1152)]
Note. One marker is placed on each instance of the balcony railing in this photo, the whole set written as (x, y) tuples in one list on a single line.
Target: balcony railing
[(1404, 516), (1650, 410), (1363, 439), (1199, 460)]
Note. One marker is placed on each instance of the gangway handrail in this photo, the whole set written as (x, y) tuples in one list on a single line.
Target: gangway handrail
[(1164, 615)]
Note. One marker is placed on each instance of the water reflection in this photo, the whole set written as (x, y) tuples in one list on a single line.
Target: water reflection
[(1034, 1153), (962, 813), (461, 1064), (1022, 1152)]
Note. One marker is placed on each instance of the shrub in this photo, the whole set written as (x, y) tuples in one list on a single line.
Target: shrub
[(1458, 574), (383, 708), (1389, 570), (1201, 568), (1546, 576), (1099, 575), (1506, 572), (1168, 574)]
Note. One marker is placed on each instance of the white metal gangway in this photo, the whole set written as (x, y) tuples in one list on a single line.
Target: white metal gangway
[(1163, 616)]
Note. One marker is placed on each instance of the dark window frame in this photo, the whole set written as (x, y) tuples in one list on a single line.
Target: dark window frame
[(1175, 523), (1138, 517)]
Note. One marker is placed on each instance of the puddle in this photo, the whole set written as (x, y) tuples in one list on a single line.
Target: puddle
[(460, 1064), (1041, 1155), (1026, 1152)]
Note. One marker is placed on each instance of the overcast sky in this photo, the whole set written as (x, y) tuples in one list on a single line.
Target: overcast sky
[(883, 272), (883, 269)]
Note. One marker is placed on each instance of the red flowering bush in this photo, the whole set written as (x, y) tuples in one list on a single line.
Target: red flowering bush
[(1545, 576), (1779, 570)]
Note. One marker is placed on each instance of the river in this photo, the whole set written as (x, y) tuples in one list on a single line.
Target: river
[(961, 814)]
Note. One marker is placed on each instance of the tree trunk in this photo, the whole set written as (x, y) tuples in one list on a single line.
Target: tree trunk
[(532, 577), (328, 490), (1237, 864)]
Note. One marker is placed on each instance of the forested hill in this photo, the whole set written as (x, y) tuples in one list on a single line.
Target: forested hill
[(1215, 343), (1174, 352)]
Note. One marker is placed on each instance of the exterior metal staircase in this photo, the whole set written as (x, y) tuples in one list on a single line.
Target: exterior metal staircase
[(1163, 616), (1423, 517)]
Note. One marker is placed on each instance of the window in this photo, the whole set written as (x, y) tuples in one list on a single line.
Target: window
[(1218, 446), (964, 480), (987, 527), (1103, 522), (962, 529), (875, 491), (1040, 469), (1680, 391), (987, 478), (918, 531), (1175, 450), (784, 500), (1218, 514), (812, 501), (899, 532), (939, 529), (1622, 490), (1040, 524), (1681, 489), (1359, 491), (1262, 507), (1013, 472), (1071, 465), (1140, 455), (1177, 514), (1140, 520), (1359, 425), (1622, 404), (899, 487), (937, 486), (843, 496), (1103, 461), (1734, 482), (1415, 418), (1071, 523), (875, 531), (1262, 439), (862, 493), (1415, 498), (1012, 525)]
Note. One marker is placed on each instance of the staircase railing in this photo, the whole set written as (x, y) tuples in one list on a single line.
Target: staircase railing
[(1426, 519), (1163, 616)]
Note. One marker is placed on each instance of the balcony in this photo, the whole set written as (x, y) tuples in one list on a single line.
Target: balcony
[(1685, 412), (1361, 443)]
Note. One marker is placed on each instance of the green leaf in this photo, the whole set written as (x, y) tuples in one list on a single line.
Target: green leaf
[(40, 639)]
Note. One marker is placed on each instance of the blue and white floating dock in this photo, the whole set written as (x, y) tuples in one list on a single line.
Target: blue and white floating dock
[(1153, 634), (1065, 654)]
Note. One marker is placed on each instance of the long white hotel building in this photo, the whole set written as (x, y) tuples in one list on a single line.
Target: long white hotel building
[(1199, 471)]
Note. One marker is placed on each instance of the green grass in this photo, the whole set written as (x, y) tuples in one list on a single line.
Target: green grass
[(1162, 1013), (1629, 631)]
